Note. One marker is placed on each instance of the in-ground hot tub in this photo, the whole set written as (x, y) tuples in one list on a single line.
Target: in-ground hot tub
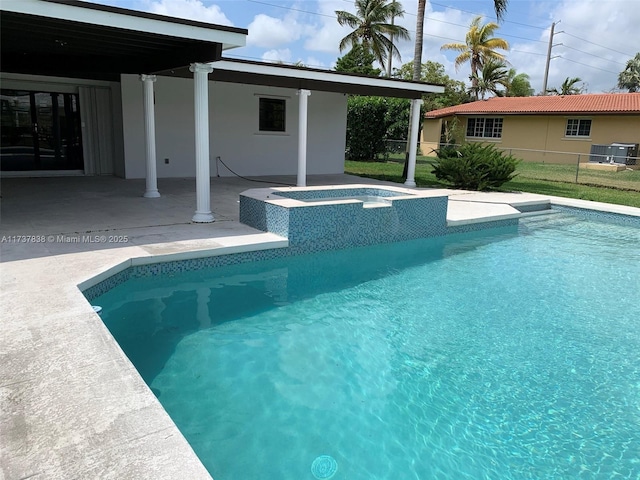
[(328, 217)]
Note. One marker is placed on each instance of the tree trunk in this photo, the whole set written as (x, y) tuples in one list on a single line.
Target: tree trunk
[(474, 77), (390, 59), (417, 70)]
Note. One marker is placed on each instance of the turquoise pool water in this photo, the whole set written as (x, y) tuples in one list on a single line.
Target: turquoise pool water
[(507, 354)]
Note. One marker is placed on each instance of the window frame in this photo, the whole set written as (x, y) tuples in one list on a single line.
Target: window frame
[(481, 126), (575, 124), (267, 115)]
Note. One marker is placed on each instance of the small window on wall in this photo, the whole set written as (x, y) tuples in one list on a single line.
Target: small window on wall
[(272, 115), (484, 127), (578, 127)]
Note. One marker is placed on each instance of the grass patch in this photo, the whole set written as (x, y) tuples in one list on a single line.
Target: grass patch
[(625, 180), (546, 179)]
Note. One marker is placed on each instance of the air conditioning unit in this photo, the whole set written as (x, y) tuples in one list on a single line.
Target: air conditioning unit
[(621, 153), (625, 153), (600, 154)]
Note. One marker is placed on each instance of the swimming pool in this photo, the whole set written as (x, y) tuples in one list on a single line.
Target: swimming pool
[(498, 354)]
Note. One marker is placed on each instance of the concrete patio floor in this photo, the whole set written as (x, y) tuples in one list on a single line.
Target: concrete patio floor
[(71, 403)]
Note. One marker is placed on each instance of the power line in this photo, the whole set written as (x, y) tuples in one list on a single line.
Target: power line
[(291, 8), (593, 55), (528, 53), (587, 65), (598, 45), (466, 26), (472, 13), (476, 13)]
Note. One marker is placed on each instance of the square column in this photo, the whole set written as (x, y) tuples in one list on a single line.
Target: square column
[(201, 73), (413, 141), (303, 96), (151, 190)]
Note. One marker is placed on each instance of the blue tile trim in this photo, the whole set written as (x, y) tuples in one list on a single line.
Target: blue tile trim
[(386, 225), (474, 227), (107, 284), (606, 217), (338, 193), (317, 226), (167, 268)]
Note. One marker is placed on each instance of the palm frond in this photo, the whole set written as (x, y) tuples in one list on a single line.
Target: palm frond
[(347, 18), (500, 6), (461, 47)]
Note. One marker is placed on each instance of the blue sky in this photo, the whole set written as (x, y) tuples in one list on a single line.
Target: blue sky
[(594, 38)]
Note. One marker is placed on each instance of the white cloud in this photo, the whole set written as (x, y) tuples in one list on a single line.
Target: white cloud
[(271, 32), (277, 56), (313, 62), (190, 9), (599, 38), (325, 33)]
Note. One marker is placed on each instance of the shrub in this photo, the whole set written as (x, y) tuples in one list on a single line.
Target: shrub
[(375, 123), (366, 128), (474, 166)]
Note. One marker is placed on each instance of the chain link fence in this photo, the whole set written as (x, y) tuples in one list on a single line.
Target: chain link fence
[(566, 167), (580, 168)]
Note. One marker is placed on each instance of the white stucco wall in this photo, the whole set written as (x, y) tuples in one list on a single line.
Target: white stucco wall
[(233, 126)]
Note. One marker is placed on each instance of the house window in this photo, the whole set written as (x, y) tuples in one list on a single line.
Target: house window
[(272, 115), (484, 127), (578, 127)]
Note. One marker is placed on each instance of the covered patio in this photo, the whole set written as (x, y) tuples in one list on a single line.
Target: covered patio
[(157, 99)]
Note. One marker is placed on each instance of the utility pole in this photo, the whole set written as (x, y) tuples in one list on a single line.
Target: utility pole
[(551, 45)]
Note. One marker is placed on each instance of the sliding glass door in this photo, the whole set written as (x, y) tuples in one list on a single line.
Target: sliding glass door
[(40, 131)]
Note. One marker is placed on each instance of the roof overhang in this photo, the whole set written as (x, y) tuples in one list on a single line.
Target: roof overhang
[(431, 116), (71, 38), (258, 73)]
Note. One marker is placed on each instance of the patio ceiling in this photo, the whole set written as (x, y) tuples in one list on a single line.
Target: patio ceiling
[(71, 38), (84, 40)]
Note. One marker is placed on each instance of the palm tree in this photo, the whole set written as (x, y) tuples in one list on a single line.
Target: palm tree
[(500, 7), (494, 75), (370, 27), (417, 72), (629, 78), (479, 47), (518, 84), (568, 87)]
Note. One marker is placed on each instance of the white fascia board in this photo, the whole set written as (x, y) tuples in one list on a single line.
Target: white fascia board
[(127, 22), (325, 76)]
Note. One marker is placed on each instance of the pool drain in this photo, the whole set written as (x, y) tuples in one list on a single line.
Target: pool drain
[(324, 467)]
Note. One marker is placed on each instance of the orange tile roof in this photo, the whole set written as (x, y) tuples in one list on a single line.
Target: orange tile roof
[(552, 104)]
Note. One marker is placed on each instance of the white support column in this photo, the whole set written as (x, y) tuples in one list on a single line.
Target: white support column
[(414, 141), (151, 190), (201, 73), (302, 136)]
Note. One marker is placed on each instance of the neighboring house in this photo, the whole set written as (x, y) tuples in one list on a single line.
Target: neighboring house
[(90, 89), (550, 128)]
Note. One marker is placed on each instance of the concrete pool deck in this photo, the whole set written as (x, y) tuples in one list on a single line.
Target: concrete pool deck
[(71, 404)]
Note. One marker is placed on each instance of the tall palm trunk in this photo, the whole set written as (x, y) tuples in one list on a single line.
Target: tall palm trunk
[(390, 58), (417, 71), (417, 51), (475, 64)]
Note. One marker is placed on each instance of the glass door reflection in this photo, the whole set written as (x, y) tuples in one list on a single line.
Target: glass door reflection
[(40, 131)]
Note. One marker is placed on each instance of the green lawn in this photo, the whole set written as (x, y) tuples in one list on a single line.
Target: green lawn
[(548, 179)]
